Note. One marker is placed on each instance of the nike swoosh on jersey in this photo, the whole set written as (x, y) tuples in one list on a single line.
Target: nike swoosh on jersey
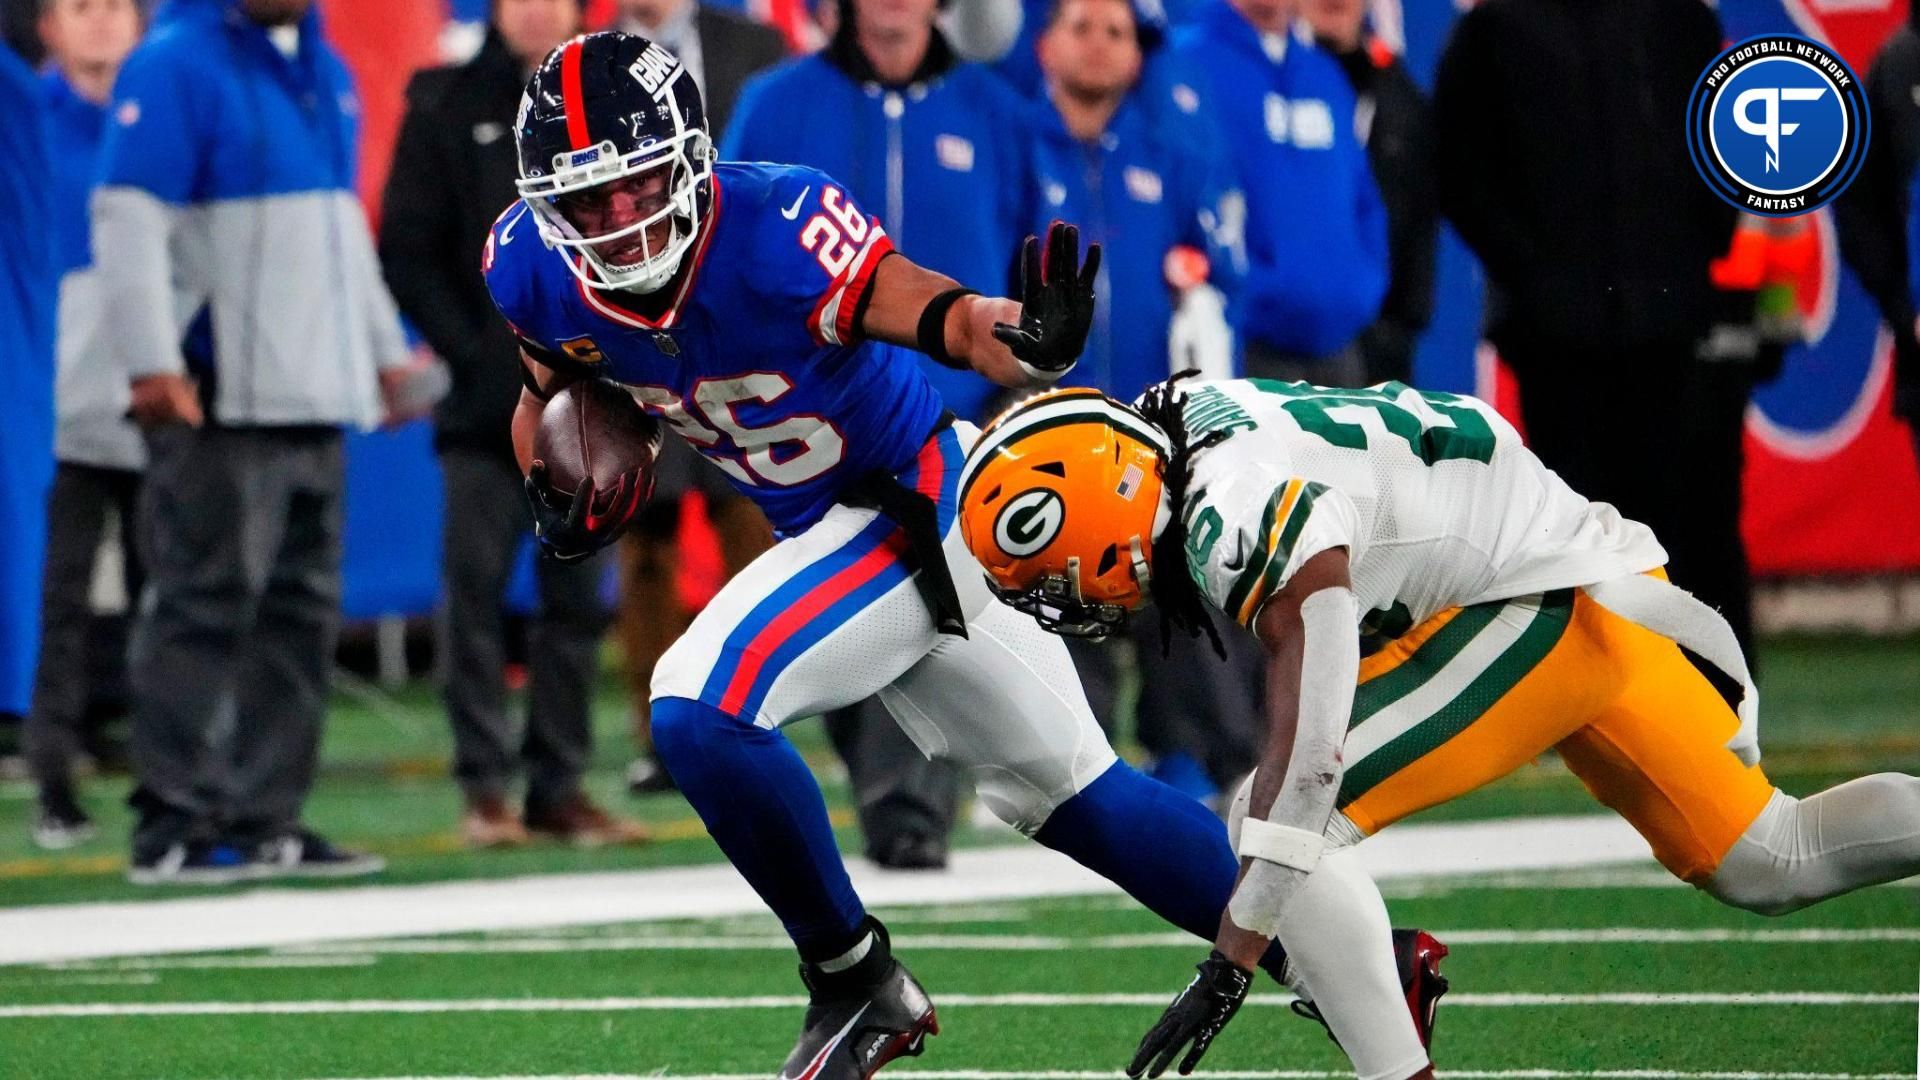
[(793, 211), (1238, 560), (506, 234)]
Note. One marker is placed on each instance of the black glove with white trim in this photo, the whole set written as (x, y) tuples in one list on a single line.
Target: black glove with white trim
[(1056, 304), (1196, 1016)]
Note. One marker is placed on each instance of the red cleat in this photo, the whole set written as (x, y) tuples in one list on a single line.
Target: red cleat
[(1418, 955)]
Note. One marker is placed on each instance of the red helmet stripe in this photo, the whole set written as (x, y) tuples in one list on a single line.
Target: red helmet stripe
[(571, 96)]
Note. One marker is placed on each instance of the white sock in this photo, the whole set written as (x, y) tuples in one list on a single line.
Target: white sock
[(1340, 944), (1802, 851), (849, 958)]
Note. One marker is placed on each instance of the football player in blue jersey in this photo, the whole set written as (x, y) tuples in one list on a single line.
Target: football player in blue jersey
[(769, 321)]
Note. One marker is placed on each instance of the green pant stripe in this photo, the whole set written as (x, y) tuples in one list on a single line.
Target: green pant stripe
[(1548, 625), (1426, 661)]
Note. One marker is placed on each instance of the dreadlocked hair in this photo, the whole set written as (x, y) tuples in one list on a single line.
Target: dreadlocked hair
[(1181, 605)]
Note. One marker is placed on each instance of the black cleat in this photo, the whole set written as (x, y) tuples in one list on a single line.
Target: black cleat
[(1417, 955), (304, 853), (860, 1019), (61, 823), (909, 851), (646, 776)]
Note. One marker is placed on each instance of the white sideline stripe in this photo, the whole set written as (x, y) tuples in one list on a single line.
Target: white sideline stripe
[(782, 1001), (130, 978), (1659, 936), (218, 963), (347, 952), (1210, 1074), (272, 917)]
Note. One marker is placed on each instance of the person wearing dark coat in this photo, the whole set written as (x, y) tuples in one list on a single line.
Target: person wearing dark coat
[(1395, 122), (721, 50), (1870, 215), (453, 174), (1564, 168)]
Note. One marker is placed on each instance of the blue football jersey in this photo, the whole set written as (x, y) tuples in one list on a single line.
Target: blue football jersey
[(756, 362)]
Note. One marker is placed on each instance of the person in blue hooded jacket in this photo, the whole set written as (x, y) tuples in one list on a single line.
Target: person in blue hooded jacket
[(1248, 74), (27, 282), (1110, 156), (1107, 156), (932, 144), (98, 451)]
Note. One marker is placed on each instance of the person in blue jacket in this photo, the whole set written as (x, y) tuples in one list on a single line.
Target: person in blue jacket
[(936, 148), (27, 282), (1248, 74), (253, 326), (98, 451), (1110, 156), (931, 143)]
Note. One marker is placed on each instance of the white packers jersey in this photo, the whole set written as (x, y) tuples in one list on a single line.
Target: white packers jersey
[(1434, 497)]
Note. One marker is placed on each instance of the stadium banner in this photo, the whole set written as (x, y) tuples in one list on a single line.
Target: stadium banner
[(1832, 486)]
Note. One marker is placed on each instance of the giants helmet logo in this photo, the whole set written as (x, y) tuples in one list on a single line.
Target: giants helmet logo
[(655, 69)]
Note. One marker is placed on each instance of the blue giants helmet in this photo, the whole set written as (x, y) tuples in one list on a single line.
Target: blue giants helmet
[(603, 114)]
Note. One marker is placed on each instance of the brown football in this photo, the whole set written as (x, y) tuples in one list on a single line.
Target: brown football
[(593, 428)]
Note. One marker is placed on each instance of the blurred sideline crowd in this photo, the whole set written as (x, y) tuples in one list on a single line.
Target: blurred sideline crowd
[(192, 287)]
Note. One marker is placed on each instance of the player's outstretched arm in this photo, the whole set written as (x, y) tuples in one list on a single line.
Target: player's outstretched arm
[(1013, 343), (1313, 656), (1313, 663)]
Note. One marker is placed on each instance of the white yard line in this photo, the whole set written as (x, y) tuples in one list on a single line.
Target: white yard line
[(129, 978), (1211, 1074), (219, 963), (782, 1001), (682, 942), (270, 917)]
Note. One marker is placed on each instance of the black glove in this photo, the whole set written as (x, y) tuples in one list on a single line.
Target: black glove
[(1056, 304), (1196, 1016), (568, 527)]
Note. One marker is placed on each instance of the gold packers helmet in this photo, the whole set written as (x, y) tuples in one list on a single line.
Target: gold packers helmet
[(1060, 501)]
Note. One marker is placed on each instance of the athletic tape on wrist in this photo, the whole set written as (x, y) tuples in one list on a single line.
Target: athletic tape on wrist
[(1262, 895), (1297, 849)]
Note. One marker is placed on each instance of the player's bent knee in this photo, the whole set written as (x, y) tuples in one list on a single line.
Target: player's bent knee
[(1014, 800), (1761, 872), (684, 728), (1763, 893)]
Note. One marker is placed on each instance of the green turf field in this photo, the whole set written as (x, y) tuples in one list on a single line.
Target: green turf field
[(1611, 971), (636, 1000)]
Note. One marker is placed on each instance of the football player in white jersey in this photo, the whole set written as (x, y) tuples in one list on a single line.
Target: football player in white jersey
[(1499, 615)]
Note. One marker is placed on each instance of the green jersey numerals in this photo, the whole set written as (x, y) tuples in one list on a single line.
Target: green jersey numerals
[(1440, 430)]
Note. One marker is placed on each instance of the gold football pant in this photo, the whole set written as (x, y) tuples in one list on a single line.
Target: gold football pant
[(1473, 693)]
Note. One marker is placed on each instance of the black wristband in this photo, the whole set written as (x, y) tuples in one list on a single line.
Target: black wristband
[(531, 381), (932, 334)]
